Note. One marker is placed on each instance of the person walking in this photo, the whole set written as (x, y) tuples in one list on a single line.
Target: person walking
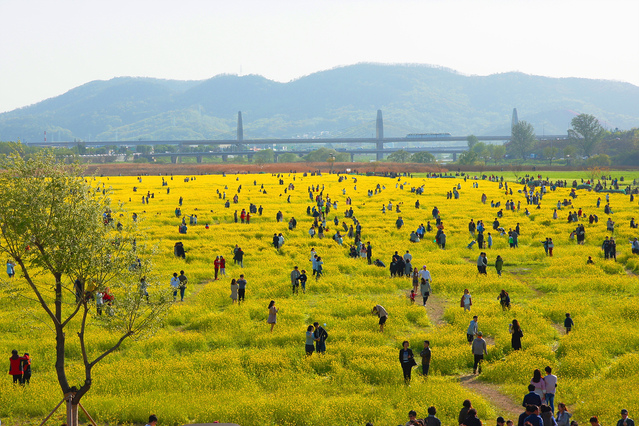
[(516, 335), (424, 274), (272, 314), (415, 276), (472, 329), (183, 282), (382, 314), (499, 265), (563, 416), (625, 420), (320, 335), (568, 323), (303, 278), (425, 290), (241, 289), (472, 419), (295, 279), (426, 355), (239, 257), (15, 367), (466, 300), (478, 349), (482, 262), (369, 252), (11, 268), (26, 368), (222, 266), (216, 266), (319, 266), (540, 386), (234, 289), (309, 341), (407, 361), (463, 413), (175, 285), (551, 387), (431, 420)]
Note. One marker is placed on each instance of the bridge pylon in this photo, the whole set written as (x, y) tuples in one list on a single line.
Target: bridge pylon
[(515, 119), (240, 127), (379, 134)]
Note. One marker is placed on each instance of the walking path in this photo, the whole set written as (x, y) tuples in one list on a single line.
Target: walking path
[(504, 405)]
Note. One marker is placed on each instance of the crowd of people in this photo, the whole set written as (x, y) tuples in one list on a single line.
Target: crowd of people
[(539, 402)]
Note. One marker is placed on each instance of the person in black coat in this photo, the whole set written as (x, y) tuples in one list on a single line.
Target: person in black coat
[(517, 334), (407, 360), (531, 397)]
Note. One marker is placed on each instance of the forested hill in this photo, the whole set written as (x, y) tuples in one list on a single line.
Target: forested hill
[(342, 101)]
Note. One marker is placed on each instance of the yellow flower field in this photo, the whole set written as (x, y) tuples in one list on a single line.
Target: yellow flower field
[(214, 360)]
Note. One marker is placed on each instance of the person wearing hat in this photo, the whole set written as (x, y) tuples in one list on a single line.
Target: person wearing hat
[(625, 420), (501, 421), (478, 350), (424, 274)]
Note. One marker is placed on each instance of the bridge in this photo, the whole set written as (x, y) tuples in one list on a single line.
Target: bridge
[(175, 156), (240, 143)]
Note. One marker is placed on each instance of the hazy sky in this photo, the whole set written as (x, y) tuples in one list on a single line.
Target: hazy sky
[(49, 47)]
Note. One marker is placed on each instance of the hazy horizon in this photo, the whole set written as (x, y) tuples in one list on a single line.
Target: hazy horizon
[(55, 47)]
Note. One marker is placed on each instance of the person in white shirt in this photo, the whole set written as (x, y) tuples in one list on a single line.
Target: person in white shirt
[(424, 273), (175, 284), (551, 387), (408, 257)]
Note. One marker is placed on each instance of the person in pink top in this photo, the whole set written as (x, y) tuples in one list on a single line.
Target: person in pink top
[(540, 385)]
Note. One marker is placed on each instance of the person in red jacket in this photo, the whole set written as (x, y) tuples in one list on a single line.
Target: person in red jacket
[(15, 369), (216, 263), (26, 368)]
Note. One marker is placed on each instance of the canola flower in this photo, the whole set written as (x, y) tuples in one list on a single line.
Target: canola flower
[(214, 360)]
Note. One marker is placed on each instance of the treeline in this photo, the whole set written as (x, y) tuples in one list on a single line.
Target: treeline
[(589, 144)]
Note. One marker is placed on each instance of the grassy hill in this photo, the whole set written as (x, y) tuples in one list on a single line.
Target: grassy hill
[(342, 101)]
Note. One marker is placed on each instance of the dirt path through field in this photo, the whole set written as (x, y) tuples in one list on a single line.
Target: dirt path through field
[(435, 308), (503, 404)]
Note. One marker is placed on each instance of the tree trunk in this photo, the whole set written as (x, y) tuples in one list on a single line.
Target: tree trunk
[(72, 411)]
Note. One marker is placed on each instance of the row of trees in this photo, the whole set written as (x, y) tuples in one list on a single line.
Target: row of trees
[(585, 136)]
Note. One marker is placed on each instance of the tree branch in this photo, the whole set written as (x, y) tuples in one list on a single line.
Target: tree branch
[(113, 348), (37, 292)]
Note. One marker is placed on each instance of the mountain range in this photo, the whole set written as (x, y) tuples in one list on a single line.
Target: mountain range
[(337, 102)]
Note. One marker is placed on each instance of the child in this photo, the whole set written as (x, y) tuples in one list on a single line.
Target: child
[(412, 296), (471, 244), (568, 323), (26, 368)]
